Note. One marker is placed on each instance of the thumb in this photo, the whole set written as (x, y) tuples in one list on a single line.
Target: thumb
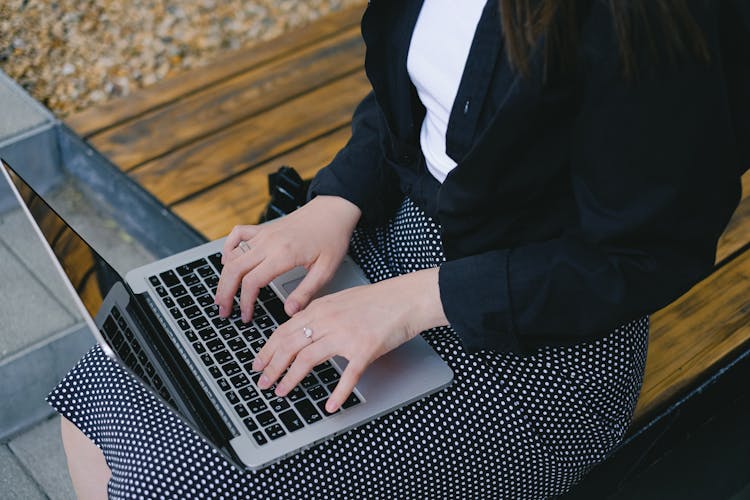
[(317, 276)]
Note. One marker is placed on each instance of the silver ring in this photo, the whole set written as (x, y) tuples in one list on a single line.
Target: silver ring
[(244, 246), (307, 332)]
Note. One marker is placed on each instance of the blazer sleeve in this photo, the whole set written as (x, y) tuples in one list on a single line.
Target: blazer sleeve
[(654, 172), (358, 172)]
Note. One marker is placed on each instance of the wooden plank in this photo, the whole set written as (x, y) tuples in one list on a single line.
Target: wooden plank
[(737, 233), (241, 199), (210, 161), (219, 106), (116, 111), (693, 334)]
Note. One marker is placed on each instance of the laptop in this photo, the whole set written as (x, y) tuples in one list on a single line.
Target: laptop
[(160, 323)]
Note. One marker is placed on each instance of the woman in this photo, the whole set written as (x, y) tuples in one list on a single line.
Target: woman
[(525, 184)]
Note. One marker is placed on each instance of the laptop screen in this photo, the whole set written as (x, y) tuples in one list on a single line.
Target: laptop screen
[(91, 276)]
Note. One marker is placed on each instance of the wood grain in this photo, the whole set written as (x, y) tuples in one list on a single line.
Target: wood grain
[(212, 160), (240, 200), (693, 334), (219, 106), (116, 111)]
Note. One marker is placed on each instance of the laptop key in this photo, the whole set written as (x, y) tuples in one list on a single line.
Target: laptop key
[(212, 281), (207, 334), (191, 279), (185, 301), (257, 405), (232, 397), (231, 368), (216, 261), (192, 312), (264, 322), (205, 300), (215, 372), (276, 310), (317, 392), (184, 269), (176, 314), (169, 278), (224, 384), (211, 311), (110, 327), (308, 412), (322, 366), (191, 336), (275, 431), (199, 323), (168, 302), (129, 334), (117, 340), (198, 290), (250, 424), (162, 291), (259, 437), (279, 404), (199, 347), (243, 355), (183, 324), (291, 421), (207, 359), (215, 345), (258, 345), (266, 418), (154, 280), (205, 271), (241, 410), (240, 380), (329, 376), (309, 381), (296, 394), (223, 356), (265, 294), (228, 333), (236, 344), (248, 393), (352, 400)]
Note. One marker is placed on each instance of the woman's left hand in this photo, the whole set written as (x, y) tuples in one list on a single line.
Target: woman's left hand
[(360, 324)]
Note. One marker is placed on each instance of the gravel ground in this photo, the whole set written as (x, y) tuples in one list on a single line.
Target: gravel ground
[(73, 54)]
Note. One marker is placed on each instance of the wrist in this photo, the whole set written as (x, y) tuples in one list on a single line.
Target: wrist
[(422, 297), (340, 209)]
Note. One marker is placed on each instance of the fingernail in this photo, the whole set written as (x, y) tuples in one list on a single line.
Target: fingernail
[(245, 318), (257, 365), (331, 407), (263, 382), (281, 390), (222, 311)]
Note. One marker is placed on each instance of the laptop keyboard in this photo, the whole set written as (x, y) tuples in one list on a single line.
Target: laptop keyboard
[(116, 330), (227, 347)]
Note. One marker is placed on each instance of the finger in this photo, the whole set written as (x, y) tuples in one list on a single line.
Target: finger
[(307, 359), (345, 386), (258, 277), (284, 354), (230, 279), (237, 234), (276, 339), (318, 275)]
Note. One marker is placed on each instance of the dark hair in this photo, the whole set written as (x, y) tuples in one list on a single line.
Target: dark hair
[(666, 27)]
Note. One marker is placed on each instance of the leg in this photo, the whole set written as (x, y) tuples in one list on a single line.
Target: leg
[(88, 470)]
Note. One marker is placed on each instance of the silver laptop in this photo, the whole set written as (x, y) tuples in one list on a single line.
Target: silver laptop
[(161, 324)]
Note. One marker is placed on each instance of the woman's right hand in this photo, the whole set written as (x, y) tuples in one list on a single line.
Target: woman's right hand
[(315, 236)]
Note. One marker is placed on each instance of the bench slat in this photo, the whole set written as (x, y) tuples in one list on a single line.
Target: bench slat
[(116, 111), (204, 163), (212, 109), (691, 336), (241, 199)]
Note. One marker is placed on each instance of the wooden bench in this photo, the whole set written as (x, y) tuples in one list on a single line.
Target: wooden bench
[(203, 143)]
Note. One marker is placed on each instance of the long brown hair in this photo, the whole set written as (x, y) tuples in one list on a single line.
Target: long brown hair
[(665, 26)]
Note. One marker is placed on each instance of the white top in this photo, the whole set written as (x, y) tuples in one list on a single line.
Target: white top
[(437, 55)]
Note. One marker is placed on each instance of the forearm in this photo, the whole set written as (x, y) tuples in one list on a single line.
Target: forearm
[(419, 294)]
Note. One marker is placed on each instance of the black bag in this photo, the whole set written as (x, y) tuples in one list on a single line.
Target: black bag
[(288, 192)]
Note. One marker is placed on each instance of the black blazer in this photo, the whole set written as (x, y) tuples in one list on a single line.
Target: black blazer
[(579, 202)]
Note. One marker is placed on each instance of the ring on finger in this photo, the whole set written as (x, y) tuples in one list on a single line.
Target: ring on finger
[(244, 246), (308, 333)]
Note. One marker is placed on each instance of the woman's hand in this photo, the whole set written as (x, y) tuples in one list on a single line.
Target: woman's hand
[(360, 324), (315, 236)]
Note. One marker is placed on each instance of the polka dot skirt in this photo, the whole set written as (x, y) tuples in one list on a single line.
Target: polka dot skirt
[(508, 426)]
